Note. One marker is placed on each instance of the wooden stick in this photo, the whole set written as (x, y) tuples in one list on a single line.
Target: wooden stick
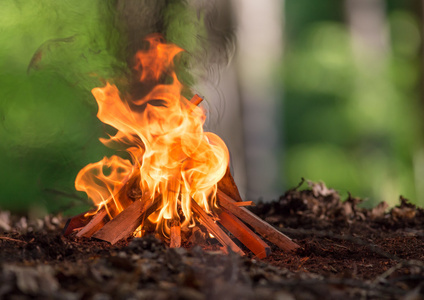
[(175, 234), (262, 227), (123, 195), (6, 238), (101, 217), (196, 99), (245, 203), (96, 222), (214, 229), (77, 221), (244, 234), (229, 187), (124, 224)]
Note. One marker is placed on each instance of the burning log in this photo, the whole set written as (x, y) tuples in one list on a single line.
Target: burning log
[(244, 234), (214, 229), (124, 224), (228, 186), (259, 225), (102, 216), (77, 222), (175, 234), (96, 222)]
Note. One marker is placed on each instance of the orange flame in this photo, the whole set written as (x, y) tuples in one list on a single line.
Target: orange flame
[(163, 132)]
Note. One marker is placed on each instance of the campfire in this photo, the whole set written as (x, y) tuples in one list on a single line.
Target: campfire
[(176, 182)]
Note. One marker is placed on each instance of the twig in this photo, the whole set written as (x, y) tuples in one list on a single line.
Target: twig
[(294, 189), (10, 239), (245, 203), (406, 263)]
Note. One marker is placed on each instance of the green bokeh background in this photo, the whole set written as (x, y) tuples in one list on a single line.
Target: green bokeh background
[(52, 53), (356, 130)]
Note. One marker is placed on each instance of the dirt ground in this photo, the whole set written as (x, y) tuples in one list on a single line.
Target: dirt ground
[(347, 252)]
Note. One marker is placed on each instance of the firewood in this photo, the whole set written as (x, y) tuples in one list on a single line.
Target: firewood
[(259, 225), (125, 196), (77, 222), (101, 217), (175, 234), (196, 100), (244, 234), (124, 224), (126, 192), (245, 203), (96, 222), (214, 229), (229, 187)]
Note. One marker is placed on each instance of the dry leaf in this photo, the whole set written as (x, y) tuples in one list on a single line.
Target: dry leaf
[(5, 220), (320, 189), (379, 210)]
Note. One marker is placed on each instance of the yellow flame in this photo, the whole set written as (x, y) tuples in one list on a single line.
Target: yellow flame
[(163, 132)]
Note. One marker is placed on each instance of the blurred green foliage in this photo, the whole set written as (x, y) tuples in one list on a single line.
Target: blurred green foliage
[(52, 53), (358, 131), (355, 128)]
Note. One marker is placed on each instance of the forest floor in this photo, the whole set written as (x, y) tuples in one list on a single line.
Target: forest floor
[(347, 252)]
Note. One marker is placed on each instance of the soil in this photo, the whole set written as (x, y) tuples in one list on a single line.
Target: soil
[(347, 252)]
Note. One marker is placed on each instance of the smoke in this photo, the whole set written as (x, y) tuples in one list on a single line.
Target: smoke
[(204, 29)]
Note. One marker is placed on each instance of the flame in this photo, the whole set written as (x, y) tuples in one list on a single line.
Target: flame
[(172, 158)]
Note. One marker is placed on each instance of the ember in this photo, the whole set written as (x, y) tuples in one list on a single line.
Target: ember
[(178, 176)]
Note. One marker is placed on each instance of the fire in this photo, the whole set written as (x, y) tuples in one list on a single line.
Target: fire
[(173, 161)]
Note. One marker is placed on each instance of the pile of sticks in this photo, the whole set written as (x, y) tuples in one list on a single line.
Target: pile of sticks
[(232, 216)]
